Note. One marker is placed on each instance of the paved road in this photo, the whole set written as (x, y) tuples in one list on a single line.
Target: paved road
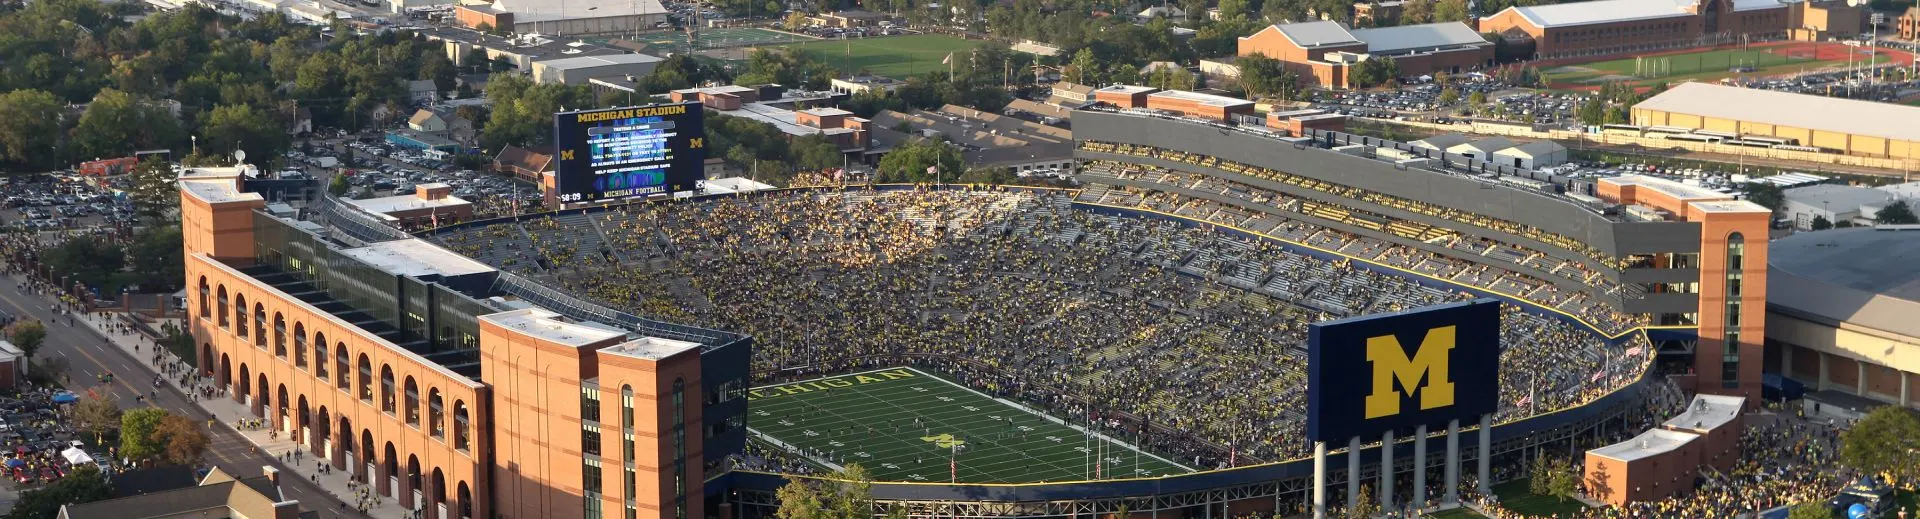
[(88, 354)]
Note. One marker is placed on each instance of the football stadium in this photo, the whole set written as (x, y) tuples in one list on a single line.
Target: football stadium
[(1141, 344)]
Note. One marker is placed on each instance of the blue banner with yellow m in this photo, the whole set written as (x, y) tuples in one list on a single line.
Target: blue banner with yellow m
[(1375, 373)]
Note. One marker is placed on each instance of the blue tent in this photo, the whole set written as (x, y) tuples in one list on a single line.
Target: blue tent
[(65, 397)]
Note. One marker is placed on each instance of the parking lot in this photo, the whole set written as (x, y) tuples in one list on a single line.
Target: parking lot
[(35, 432), (1421, 102), (380, 169), (62, 201)]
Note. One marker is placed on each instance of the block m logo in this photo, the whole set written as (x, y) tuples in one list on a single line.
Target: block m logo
[(566, 154), (1391, 363)]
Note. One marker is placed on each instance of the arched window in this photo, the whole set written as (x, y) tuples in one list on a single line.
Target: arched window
[(320, 358), (342, 364), (299, 340), (412, 396), (259, 325), (240, 314), (300, 354), (224, 323), (679, 448), (279, 332), (436, 414), (366, 379), (386, 389), (206, 310), (462, 425)]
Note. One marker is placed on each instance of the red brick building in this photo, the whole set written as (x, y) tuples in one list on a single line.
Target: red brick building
[(1321, 52), (1664, 461), (1620, 26)]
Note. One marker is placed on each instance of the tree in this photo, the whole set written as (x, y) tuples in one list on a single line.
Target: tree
[(1562, 484), (338, 186), (1414, 12), (1767, 194), (30, 123), (182, 442), (1448, 96), (90, 261), (1593, 111), (1449, 10), (844, 494), (1821, 223), (1883, 442), (1896, 213), (117, 124), (1084, 69), (28, 335), (137, 441), (1540, 477), (243, 127), (154, 257), (1809, 511), (1477, 98), (795, 21), (155, 192), (84, 485), (1365, 506), (97, 413), (911, 162)]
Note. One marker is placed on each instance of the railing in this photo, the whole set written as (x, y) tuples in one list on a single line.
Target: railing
[(582, 309), (355, 223)]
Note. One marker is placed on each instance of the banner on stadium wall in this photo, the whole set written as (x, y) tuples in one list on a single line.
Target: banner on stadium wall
[(1396, 371)]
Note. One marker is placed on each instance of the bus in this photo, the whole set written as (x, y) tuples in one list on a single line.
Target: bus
[(1770, 140), (1794, 147), (1711, 133), (1694, 137), (1668, 129), (1620, 129), (1747, 143)]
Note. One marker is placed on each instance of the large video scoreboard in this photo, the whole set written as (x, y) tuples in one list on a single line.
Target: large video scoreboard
[(626, 152)]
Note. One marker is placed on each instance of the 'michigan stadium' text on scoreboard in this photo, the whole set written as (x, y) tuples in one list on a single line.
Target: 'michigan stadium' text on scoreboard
[(626, 152)]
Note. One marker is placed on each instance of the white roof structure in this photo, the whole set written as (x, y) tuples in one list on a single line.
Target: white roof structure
[(1601, 11), (1483, 147), (1204, 99), (409, 201), (579, 62), (1127, 89), (1441, 142), (217, 190), (825, 111), (1707, 412), (1654, 442), (1316, 34), (527, 11), (415, 257), (1791, 179), (1533, 149), (735, 185), (548, 325), (1829, 114), (1390, 40), (651, 348), (1678, 191)]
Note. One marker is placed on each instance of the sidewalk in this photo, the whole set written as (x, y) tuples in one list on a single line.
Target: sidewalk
[(229, 413)]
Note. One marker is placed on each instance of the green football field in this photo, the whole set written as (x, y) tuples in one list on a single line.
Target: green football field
[(1707, 65), (902, 424), (892, 56)]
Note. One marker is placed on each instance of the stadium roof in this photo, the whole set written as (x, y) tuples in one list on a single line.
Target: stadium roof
[(1864, 277), (528, 11), (1707, 412), (409, 201), (1651, 443), (1601, 11), (1387, 40), (1832, 114), (415, 257), (1678, 191), (652, 348), (217, 190), (551, 326)]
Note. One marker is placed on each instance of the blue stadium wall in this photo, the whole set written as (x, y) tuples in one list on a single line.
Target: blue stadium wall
[(1608, 405)]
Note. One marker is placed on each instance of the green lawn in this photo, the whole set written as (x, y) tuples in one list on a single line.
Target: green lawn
[(902, 423), (1514, 496), (1700, 66), (1457, 513), (892, 56)]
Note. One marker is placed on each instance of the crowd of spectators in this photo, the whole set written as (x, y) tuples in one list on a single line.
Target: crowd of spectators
[(1132, 322)]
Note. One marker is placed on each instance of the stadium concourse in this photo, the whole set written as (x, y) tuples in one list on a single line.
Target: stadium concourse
[(1191, 331)]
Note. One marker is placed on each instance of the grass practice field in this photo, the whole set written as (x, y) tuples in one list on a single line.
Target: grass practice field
[(902, 424), (676, 41), (892, 56), (1704, 66)]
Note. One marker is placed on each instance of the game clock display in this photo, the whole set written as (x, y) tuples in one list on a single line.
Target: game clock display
[(628, 152)]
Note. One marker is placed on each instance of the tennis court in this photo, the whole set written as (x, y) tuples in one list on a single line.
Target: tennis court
[(892, 56), (904, 424)]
